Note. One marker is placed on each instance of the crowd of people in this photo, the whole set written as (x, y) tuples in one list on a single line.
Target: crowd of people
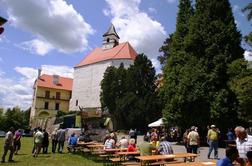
[(154, 142)]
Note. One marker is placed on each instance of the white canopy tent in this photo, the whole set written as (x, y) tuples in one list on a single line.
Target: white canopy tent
[(158, 123)]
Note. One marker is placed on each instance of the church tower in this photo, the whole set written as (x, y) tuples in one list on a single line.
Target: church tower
[(110, 38)]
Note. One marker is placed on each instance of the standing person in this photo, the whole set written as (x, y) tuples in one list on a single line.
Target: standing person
[(8, 145), (135, 135), (212, 137), (165, 146), (131, 133), (61, 134), (45, 142), (54, 140), (185, 140), (33, 134), (154, 136), (17, 141), (243, 142), (38, 139), (231, 156), (193, 140), (230, 135)]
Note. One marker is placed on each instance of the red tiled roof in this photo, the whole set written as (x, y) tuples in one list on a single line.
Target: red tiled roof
[(47, 82), (121, 51)]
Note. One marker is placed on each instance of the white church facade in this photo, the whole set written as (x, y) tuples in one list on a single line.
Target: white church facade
[(88, 74)]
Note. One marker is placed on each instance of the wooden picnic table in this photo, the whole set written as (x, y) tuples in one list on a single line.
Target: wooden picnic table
[(204, 163), (87, 143), (115, 150), (123, 155), (92, 147), (148, 159), (95, 146)]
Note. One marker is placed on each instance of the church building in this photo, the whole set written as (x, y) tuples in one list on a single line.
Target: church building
[(88, 74)]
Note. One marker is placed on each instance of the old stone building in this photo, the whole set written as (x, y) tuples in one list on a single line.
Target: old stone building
[(89, 72), (52, 93)]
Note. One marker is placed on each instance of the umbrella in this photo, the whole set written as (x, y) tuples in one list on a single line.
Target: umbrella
[(158, 123)]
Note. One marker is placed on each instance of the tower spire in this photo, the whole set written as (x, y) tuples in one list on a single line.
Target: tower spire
[(110, 38)]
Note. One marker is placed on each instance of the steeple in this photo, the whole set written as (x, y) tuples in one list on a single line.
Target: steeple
[(110, 38)]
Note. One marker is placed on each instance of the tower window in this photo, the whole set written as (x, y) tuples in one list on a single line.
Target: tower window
[(107, 40), (76, 103)]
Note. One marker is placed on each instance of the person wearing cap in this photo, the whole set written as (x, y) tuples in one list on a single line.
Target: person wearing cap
[(243, 142), (193, 140), (212, 137)]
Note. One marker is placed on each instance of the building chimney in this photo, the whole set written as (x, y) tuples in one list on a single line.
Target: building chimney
[(55, 79), (39, 72)]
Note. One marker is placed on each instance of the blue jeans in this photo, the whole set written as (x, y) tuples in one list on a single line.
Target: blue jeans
[(213, 145)]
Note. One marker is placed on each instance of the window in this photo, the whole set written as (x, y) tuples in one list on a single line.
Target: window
[(46, 105), (47, 94), (76, 103), (107, 40), (57, 95), (57, 106)]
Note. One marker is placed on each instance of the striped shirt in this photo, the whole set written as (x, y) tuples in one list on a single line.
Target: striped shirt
[(165, 148), (244, 146), (109, 144)]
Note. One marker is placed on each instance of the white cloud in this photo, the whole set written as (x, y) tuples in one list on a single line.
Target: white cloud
[(248, 55), (144, 33), (54, 23), (18, 92), (36, 46), (171, 1), (64, 71)]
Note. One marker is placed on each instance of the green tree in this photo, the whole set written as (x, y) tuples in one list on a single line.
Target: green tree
[(173, 51), (248, 9), (241, 84), (108, 93), (198, 86), (141, 97), (2, 119), (128, 94)]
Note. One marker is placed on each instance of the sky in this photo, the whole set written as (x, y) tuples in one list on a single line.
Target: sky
[(55, 35)]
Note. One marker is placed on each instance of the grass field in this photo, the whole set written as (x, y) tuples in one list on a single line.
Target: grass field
[(24, 158)]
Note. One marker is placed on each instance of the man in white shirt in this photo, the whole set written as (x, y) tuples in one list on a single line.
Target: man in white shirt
[(243, 142)]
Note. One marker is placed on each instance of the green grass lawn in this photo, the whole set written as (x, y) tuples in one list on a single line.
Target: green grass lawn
[(24, 158)]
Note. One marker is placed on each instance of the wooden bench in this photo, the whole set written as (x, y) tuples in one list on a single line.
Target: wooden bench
[(165, 162), (115, 160), (131, 163)]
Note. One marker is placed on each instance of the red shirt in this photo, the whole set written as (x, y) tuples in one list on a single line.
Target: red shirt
[(132, 148)]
